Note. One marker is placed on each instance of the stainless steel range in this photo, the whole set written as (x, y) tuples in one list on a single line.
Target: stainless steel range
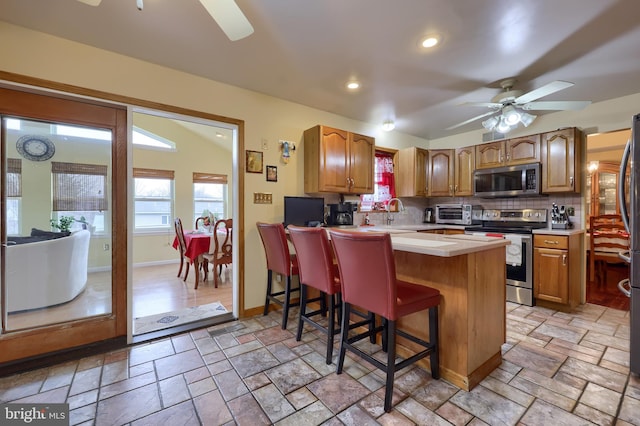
[(516, 226)]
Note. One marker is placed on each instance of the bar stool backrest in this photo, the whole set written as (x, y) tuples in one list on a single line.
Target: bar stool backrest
[(367, 270), (315, 257), (276, 249)]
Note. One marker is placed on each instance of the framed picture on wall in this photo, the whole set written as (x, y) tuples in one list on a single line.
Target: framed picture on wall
[(254, 161), (272, 174)]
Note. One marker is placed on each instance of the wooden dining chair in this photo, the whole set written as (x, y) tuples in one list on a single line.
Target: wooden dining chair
[(223, 249), (607, 238), (182, 247)]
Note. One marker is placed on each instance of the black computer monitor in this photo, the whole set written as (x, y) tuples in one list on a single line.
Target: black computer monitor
[(303, 211)]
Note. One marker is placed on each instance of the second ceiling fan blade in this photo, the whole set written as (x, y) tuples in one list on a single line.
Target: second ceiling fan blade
[(229, 17), (91, 2), (455, 126), (547, 89), (556, 105)]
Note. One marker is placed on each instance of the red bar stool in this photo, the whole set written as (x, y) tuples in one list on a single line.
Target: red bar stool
[(280, 261), (368, 278), (317, 270)]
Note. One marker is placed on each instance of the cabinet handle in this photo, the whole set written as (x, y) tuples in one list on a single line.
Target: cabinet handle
[(571, 181), (508, 156), (500, 155), (551, 242), (450, 189), (564, 260), (455, 188)]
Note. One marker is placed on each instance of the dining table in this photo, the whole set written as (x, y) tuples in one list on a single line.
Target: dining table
[(198, 243)]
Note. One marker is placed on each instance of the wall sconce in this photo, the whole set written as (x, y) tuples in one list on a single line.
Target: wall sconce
[(593, 166), (286, 147)]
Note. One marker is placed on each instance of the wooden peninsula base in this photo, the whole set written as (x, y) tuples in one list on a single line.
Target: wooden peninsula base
[(472, 313)]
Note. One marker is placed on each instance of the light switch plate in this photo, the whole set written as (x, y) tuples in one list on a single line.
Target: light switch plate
[(262, 198)]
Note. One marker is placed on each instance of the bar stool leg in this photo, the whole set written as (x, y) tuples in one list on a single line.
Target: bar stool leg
[(390, 331), (303, 309), (434, 357), (268, 298), (331, 327), (285, 307), (344, 335)]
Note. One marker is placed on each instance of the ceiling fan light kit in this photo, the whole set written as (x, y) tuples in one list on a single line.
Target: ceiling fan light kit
[(388, 125)]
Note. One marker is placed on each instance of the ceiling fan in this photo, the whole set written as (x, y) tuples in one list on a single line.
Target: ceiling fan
[(226, 13), (510, 106)]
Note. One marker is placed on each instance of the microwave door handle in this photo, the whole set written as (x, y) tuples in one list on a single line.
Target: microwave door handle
[(624, 212)]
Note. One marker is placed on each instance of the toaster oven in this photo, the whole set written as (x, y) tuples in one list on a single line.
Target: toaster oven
[(458, 214)]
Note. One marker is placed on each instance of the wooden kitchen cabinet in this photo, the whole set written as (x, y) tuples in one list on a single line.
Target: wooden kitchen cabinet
[(556, 270), (560, 157), (338, 161), (465, 164), (510, 152), (601, 194), (412, 172), (440, 172)]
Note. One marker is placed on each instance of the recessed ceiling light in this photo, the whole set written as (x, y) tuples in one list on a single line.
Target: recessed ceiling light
[(430, 41), (353, 85)]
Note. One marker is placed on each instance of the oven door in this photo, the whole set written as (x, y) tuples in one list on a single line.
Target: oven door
[(519, 260)]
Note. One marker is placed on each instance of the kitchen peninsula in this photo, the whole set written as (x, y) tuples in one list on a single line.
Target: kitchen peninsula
[(469, 272)]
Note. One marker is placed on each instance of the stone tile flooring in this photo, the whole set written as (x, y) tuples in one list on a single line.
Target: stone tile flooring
[(558, 369)]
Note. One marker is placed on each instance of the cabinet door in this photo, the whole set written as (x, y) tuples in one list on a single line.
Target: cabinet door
[(464, 167), (490, 155), (440, 171), (412, 172), (551, 275), (560, 153), (361, 163), (523, 150)]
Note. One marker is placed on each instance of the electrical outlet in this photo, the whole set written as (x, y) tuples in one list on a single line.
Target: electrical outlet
[(262, 198), (571, 211), (105, 247), (265, 144)]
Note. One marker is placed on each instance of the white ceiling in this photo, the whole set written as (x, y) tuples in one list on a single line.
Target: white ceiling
[(305, 51)]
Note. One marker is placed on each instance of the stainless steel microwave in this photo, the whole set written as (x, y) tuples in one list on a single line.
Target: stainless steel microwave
[(512, 181)]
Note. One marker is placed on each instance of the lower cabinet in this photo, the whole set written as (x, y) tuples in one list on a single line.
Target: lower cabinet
[(556, 270)]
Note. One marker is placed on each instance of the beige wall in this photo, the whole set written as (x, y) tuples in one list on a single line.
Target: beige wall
[(266, 118)]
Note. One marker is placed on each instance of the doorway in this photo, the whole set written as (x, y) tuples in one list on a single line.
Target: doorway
[(182, 168), (604, 154)]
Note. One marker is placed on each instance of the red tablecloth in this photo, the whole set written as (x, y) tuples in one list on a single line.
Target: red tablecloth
[(197, 244)]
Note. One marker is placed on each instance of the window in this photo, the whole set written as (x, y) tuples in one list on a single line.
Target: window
[(80, 190), (384, 184), (209, 193), (14, 195), (153, 199)]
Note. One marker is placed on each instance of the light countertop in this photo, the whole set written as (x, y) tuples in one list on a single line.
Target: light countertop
[(435, 244), (566, 232)]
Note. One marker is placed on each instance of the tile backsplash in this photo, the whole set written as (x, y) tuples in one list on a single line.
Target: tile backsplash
[(414, 207)]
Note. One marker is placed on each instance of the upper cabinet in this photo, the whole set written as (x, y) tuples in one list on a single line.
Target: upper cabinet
[(338, 161), (465, 164), (435, 172), (440, 172), (560, 156), (412, 172), (508, 152)]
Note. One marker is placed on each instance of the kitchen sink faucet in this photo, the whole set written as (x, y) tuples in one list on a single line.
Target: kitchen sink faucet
[(390, 217)]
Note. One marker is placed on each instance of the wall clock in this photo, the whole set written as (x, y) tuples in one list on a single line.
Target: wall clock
[(35, 148)]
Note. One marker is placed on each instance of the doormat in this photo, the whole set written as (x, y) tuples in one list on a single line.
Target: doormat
[(171, 319)]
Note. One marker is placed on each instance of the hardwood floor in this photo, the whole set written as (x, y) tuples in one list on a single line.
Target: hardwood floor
[(156, 289), (607, 293)]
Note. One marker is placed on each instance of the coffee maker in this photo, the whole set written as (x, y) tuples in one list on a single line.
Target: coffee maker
[(340, 214)]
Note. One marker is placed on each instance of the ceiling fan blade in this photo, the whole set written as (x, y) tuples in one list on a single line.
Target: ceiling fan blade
[(229, 17), (91, 2), (547, 89), (455, 126), (556, 105), (493, 105)]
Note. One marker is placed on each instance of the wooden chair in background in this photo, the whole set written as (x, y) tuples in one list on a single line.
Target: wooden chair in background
[(182, 247), (223, 251), (607, 238)]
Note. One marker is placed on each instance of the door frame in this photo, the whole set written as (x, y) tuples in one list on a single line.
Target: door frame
[(21, 345)]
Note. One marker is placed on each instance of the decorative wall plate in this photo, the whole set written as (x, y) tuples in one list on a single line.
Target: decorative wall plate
[(35, 148)]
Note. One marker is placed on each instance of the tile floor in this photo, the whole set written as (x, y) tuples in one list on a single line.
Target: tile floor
[(558, 369)]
